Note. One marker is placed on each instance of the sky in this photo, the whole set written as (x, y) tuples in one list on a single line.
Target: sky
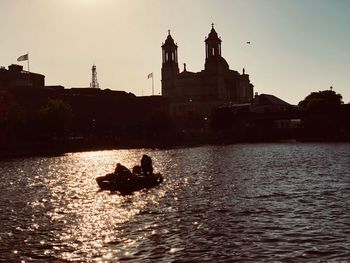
[(296, 47)]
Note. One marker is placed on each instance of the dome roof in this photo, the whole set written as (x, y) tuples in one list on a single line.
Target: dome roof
[(223, 63), (216, 63)]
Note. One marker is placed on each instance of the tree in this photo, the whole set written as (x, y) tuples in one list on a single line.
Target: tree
[(56, 117), (322, 101), (321, 117)]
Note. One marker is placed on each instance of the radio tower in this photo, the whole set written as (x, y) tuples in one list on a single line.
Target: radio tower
[(94, 83)]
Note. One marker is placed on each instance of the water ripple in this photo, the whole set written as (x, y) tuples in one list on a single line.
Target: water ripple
[(248, 202)]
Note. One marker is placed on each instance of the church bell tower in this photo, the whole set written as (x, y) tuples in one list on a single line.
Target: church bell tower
[(214, 62), (170, 67), (212, 44)]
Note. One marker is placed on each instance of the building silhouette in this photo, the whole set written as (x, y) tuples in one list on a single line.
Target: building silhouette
[(15, 77), (197, 93)]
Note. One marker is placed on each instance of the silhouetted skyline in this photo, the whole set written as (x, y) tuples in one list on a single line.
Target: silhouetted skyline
[(289, 48)]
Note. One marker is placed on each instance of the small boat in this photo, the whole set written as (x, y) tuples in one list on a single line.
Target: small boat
[(128, 184)]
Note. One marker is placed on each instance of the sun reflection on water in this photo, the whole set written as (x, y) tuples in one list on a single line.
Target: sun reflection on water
[(90, 218), (215, 204)]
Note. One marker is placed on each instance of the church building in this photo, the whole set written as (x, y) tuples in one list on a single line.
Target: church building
[(199, 92)]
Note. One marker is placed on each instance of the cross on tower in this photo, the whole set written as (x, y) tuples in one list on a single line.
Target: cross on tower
[(212, 25)]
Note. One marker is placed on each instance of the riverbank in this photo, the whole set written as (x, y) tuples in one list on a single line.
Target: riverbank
[(62, 146)]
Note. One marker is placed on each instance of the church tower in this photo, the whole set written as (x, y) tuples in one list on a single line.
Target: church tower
[(213, 59), (212, 44), (170, 67)]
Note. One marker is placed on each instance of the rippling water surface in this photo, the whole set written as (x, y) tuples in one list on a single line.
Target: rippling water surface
[(247, 202)]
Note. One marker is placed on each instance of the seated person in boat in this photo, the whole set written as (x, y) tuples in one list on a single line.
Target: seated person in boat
[(121, 170), (146, 165), (121, 174)]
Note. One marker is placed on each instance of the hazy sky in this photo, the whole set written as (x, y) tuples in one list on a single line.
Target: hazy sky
[(297, 46)]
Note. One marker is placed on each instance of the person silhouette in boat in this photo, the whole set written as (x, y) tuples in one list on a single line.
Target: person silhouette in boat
[(121, 171), (146, 165)]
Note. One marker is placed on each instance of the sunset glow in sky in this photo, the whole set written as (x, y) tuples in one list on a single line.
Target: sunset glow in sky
[(296, 46)]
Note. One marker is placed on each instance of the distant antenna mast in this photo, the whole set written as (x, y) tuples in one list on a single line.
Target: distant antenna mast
[(94, 83)]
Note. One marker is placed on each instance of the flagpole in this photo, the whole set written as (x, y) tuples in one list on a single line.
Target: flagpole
[(28, 69), (28, 61), (152, 85)]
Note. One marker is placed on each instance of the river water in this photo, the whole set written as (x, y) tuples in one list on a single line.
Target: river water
[(283, 202)]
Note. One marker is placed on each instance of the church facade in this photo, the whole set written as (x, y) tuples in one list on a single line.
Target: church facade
[(199, 92)]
